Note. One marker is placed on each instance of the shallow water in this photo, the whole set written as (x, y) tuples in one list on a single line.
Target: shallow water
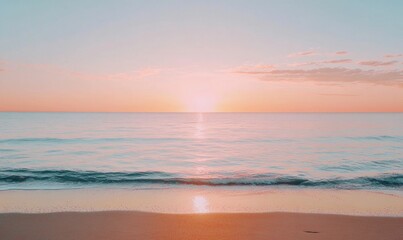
[(153, 150)]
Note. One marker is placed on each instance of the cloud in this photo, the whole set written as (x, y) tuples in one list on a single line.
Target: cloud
[(301, 64), (311, 53), (341, 53), (302, 54), (377, 63), (331, 75), (336, 61), (393, 55)]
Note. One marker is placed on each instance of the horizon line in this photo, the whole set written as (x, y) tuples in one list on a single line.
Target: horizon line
[(184, 112)]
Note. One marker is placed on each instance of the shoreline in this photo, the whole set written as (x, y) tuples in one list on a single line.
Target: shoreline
[(205, 200), (144, 225)]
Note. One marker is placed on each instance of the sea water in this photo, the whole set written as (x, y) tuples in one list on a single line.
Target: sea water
[(185, 150)]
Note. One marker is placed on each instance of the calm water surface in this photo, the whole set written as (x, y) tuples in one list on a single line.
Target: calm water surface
[(135, 150)]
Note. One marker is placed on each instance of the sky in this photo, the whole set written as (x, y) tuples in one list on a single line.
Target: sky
[(201, 56)]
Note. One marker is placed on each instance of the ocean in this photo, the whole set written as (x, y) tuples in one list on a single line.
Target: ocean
[(183, 150)]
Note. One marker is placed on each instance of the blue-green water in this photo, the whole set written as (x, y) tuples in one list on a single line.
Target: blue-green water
[(136, 150)]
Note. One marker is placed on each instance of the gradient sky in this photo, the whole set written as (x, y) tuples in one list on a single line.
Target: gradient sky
[(250, 55)]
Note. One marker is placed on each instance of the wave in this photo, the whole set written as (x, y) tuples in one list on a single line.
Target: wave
[(47, 140), (378, 138), (83, 140), (23, 176)]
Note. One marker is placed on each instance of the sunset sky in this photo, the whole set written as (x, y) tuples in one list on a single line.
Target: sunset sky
[(181, 56)]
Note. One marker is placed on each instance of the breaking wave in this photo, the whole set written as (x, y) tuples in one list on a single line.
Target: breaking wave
[(127, 179)]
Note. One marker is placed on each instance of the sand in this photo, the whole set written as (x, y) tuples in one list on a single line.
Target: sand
[(204, 199), (138, 225)]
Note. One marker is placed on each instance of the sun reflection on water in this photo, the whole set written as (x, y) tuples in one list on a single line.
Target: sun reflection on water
[(199, 126)]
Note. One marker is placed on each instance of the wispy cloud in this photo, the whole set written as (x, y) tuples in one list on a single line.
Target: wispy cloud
[(335, 61), (393, 55), (302, 64), (312, 53), (341, 53), (331, 75), (377, 63), (302, 54)]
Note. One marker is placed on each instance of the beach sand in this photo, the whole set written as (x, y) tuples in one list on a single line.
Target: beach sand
[(204, 200), (138, 225), (199, 213)]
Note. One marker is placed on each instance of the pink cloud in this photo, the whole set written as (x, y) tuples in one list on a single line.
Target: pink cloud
[(341, 53), (301, 64), (336, 61), (393, 55), (302, 54), (377, 63), (331, 75)]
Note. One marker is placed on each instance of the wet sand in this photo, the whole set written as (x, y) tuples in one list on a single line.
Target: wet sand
[(204, 200), (138, 225)]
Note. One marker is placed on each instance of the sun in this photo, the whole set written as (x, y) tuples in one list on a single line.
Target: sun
[(201, 103)]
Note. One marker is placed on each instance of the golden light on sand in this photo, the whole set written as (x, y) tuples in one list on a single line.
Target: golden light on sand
[(200, 204)]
